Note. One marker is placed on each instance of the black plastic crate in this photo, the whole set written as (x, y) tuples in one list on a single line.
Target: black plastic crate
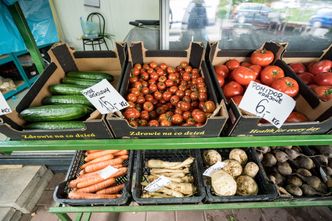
[(266, 190), (61, 191), (167, 155)]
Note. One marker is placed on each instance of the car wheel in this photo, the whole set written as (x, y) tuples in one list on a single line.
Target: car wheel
[(317, 24)]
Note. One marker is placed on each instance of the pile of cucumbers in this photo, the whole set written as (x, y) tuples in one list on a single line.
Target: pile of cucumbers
[(67, 106)]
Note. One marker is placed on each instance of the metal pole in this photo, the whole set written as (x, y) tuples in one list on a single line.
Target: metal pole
[(63, 217), (27, 36), (164, 24)]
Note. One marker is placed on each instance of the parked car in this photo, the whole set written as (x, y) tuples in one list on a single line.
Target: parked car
[(322, 19), (256, 13)]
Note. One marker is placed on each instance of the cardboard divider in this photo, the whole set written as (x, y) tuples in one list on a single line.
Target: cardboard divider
[(194, 55), (240, 124), (64, 60)]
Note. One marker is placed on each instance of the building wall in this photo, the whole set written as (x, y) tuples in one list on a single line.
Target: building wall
[(117, 14)]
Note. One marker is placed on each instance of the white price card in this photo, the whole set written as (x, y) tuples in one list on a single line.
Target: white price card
[(268, 103), (104, 97), (4, 107), (215, 167), (157, 184), (107, 172)]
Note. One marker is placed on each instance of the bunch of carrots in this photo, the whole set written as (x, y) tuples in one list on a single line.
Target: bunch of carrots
[(92, 183)]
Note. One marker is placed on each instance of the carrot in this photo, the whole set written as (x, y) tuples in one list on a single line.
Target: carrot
[(113, 189), (122, 152), (78, 195), (100, 165), (124, 157), (85, 174), (91, 151), (99, 154), (88, 182), (98, 186), (99, 159)]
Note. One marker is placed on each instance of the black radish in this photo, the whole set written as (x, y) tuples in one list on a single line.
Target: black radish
[(294, 180), (305, 162), (284, 168), (313, 181), (303, 172), (294, 190), (269, 160), (281, 156)]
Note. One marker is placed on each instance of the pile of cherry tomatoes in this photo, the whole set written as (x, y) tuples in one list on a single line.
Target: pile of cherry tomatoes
[(161, 95), (234, 76), (317, 75)]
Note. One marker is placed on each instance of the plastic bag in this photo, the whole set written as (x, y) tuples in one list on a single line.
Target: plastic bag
[(90, 29)]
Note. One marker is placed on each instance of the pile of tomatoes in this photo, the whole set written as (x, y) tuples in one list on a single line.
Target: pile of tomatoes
[(234, 76), (161, 95), (317, 75)]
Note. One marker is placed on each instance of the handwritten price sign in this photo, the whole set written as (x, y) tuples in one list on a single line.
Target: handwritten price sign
[(4, 107), (105, 98), (268, 103)]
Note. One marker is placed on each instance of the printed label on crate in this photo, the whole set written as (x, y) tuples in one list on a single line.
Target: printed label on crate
[(107, 172), (4, 107), (157, 184), (215, 167), (104, 97), (268, 103)]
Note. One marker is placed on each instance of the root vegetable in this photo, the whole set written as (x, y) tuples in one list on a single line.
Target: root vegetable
[(169, 165), (111, 190), (246, 186), (211, 157), (99, 186), (303, 172), (279, 179), (328, 171), (185, 188), (313, 181), (264, 150), (294, 190), (325, 150), (260, 156), (324, 160), (251, 169), (305, 162), (284, 168), (269, 160), (101, 165), (175, 175), (310, 191), (294, 180), (223, 184), (161, 171), (78, 195), (292, 154), (98, 154), (232, 167), (155, 195), (238, 155), (281, 156), (283, 192), (285, 147), (170, 192)]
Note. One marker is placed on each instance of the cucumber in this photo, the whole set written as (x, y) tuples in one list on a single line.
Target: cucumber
[(66, 89), (55, 112), (66, 99), (59, 125), (91, 75), (80, 81)]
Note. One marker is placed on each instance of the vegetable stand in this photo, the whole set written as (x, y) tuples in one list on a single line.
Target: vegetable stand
[(84, 213)]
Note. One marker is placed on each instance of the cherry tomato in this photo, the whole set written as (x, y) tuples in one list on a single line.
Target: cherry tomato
[(170, 70), (163, 66), (184, 64), (165, 123), (148, 106), (199, 116), (262, 57), (177, 119), (148, 97), (178, 111), (132, 97), (243, 75), (270, 74), (146, 66), (161, 86), (145, 76), (153, 88), (202, 97), (135, 91), (135, 71), (145, 115), (145, 90), (297, 67), (174, 100), (286, 85), (153, 65), (184, 106), (232, 89), (153, 123), (323, 79), (169, 83), (232, 64), (138, 85), (186, 98), (131, 113), (306, 77), (194, 95), (133, 79), (321, 66), (323, 92), (179, 93), (237, 99), (222, 70), (140, 99), (138, 66), (173, 89), (186, 76), (186, 115), (296, 117), (154, 76), (221, 80), (153, 114), (158, 95), (167, 95), (209, 107), (188, 69)]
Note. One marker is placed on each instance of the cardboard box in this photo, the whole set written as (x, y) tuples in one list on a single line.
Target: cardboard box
[(64, 60), (241, 124), (194, 55)]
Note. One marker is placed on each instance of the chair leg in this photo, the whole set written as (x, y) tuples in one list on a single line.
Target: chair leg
[(106, 44), (99, 44), (93, 47), (83, 45)]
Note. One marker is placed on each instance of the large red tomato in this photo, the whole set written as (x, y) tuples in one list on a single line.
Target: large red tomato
[(256, 68), (286, 85), (323, 92), (232, 89), (306, 77), (321, 66), (221, 80), (237, 99), (221, 69), (271, 73), (232, 64), (262, 57), (298, 67), (323, 79), (296, 117), (243, 75)]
